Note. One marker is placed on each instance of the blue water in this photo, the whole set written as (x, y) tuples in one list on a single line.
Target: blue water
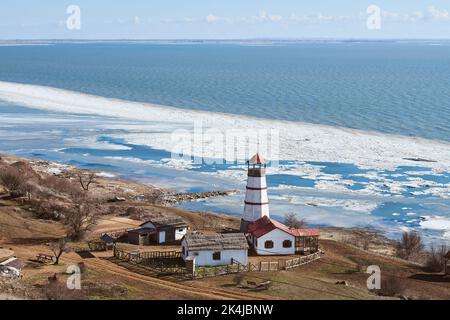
[(384, 86)]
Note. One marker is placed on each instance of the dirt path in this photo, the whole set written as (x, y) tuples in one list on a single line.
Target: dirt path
[(186, 289)]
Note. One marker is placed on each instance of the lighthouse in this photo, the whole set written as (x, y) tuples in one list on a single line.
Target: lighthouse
[(256, 199)]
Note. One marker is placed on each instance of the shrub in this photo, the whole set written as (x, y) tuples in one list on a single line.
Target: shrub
[(12, 179), (61, 185), (436, 258), (392, 286)]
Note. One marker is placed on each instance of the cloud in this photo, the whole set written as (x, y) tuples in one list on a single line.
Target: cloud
[(211, 18), (430, 14), (136, 20), (263, 16), (436, 14)]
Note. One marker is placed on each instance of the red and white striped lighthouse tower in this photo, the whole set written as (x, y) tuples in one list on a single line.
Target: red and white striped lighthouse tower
[(256, 199)]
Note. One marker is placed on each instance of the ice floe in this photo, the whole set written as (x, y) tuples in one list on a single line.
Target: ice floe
[(298, 141)]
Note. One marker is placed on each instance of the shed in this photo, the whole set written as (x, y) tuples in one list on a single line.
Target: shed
[(159, 230), (141, 236), (215, 249)]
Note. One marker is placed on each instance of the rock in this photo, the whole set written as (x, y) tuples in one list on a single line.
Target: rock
[(419, 160), (9, 272), (117, 199), (342, 283)]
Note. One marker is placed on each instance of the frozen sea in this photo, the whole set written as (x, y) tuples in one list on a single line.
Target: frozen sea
[(363, 126)]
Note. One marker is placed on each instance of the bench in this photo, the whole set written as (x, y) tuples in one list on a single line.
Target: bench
[(45, 258)]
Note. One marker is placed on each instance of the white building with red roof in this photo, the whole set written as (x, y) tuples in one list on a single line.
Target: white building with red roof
[(270, 237)]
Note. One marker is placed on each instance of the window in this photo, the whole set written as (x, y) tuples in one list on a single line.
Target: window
[(256, 242), (287, 244), (216, 256), (180, 230), (268, 244), (184, 251)]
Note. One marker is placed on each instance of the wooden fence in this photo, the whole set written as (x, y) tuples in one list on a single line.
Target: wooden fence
[(162, 262), (262, 266), (170, 262)]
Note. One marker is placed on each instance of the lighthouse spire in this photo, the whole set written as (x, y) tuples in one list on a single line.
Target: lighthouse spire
[(256, 199)]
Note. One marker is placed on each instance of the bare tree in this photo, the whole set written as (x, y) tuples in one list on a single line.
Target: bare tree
[(12, 180), (365, 243), (86, 180), (291, 220), (410, 244), (27, 188), (79, 219), (58, 248)]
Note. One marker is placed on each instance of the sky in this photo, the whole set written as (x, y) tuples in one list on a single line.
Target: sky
[(224, 19)]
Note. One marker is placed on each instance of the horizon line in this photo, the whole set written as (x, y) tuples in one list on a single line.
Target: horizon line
[(218, 39)]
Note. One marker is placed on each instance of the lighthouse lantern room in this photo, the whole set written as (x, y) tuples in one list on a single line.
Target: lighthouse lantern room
[(256, 199)]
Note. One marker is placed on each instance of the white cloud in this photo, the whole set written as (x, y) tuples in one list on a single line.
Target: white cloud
[(431, 14), (211, 18), (136, 20), (437, 14), (263, 16)]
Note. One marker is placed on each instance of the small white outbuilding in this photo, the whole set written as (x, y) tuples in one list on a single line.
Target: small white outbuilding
[(216, 249)]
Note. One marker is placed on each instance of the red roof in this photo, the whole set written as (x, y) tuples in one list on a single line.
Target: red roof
[(257, 159), (265, 225)]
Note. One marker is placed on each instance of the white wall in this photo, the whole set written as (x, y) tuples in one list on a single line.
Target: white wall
[(180, 234), (254, 212), (277, 236), (205, 258)]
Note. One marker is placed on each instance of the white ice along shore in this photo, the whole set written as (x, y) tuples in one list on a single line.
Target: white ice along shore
[(297, 140)]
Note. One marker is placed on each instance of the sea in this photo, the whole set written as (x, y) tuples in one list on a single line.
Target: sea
[(362, 105)]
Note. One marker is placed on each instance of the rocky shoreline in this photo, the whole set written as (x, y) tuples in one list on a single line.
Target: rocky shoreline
[(126, 190)]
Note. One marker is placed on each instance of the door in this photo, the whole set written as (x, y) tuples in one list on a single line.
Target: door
[(162, 237)]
